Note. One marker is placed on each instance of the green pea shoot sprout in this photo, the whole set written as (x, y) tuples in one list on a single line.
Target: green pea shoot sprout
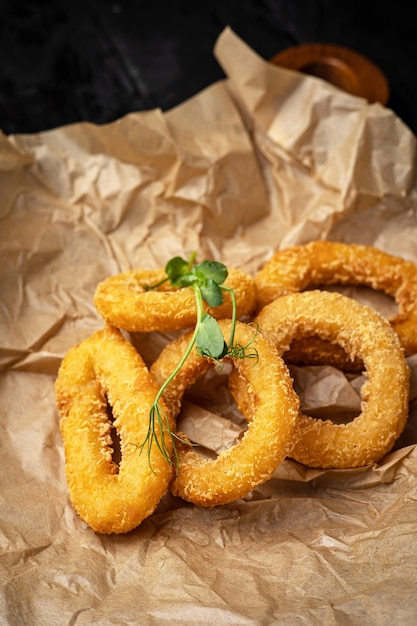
[(206, 280)]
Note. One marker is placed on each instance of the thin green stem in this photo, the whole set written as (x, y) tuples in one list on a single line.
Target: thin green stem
[(156, 406), (199, 303), (156, 285), (234, 314), (205, 335)]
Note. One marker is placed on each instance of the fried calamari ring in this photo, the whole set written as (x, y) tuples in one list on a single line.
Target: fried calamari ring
[(363, 334), (267, 440), (330, 263), (106, 370), (123, 302)]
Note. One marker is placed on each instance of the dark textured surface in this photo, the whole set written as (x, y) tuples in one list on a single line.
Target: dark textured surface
[(63, 62)]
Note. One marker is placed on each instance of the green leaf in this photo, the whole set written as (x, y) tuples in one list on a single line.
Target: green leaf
[(210, 341), (210, 270), (187, 280), (176, 268), (211, 293)]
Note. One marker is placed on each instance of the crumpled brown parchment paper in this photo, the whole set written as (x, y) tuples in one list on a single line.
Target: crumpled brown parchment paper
[(265, 159)]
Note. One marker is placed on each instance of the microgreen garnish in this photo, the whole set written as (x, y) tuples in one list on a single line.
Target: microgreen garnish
[(206, 280), (237, 351)]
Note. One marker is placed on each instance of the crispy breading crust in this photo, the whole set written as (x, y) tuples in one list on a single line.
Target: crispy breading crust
[(363, 334), (264, 445), (320, 263), (122, 301), (106, 370)]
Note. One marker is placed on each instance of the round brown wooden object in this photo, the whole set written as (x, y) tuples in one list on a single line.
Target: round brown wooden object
[(342, 67)]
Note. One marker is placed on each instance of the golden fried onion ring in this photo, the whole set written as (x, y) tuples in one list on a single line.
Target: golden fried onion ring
[(267, 440), (106, 370), (322, 263), (123, 302), (362, 333)]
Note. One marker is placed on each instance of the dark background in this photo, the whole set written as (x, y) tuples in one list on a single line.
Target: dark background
[(91, 60)]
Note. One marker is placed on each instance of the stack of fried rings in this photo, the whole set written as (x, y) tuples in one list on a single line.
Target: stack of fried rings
[(381, 420), (363, 333), (321, 263), (105, 373)]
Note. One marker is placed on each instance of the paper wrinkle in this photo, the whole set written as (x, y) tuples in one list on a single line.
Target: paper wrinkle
[(333, 140), (262, 160)]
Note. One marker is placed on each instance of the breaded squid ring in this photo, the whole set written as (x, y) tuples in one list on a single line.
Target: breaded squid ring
[(362, 333), (266, 442), (123, 302), (106, 370), (322, 263)]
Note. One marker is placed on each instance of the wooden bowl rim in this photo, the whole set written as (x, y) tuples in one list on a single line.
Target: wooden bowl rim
[(362, 77)]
